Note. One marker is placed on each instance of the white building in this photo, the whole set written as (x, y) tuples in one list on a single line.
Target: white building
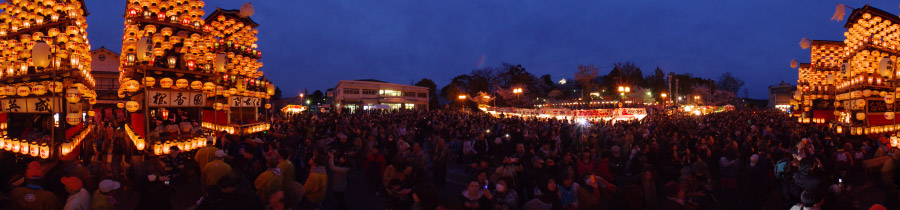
[(780, 96), (374, 94)]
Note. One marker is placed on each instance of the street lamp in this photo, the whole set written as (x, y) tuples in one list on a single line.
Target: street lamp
[(622, 91), (517, 91), (663, 96), (697, 99), (462, 98)]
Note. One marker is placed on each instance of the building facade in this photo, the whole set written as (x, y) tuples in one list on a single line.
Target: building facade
[(355, 95), (105, 68), (780, 96)]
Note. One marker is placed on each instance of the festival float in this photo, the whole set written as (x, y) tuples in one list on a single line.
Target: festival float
[(179, 71), (45, 78), (852, 85)]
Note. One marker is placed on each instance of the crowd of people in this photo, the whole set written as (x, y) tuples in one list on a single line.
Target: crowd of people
[(740, 159)]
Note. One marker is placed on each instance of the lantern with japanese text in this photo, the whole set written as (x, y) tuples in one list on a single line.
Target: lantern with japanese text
[(132, 85), (9, 90), (38, 89), (73, 95), (73, 118), (181, 83), (196, 85), (132, 106), (166, 82), (149, 81), (23, 91), (56, 87), (35, 149), (45, 151)]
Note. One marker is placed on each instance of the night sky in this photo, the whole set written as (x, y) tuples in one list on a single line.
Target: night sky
[(311, 44)]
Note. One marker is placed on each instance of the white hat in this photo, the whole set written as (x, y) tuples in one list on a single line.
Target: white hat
[(109, 185), (151, 177), (220, 154)]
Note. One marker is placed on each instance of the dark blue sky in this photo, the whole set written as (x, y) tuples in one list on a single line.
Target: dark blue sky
[(313, 43)]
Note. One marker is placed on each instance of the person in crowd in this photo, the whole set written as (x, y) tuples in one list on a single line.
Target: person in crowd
[(476, 196), (33, 195), (215, 170), (79, 198), (317, 182), (155, 195), (440, 160), (505, 196), (103, 198), (340, 177), (205, 154), (425, 197), (375, 165), (174, 163), (809, 200), (269, 181), (287, 167)]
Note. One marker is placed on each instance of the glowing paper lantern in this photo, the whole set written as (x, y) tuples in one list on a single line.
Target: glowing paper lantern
[(9, 90), (149, 81), (132, 85), (23, 91), (166, 82), (889, 115), (120, 105), (38, 89), (73, 118), (144, 49), (268, 106), (860, 116), (91, 113), (218, 106), (181, 83), (56, 87), (45, 151), (889, 98), (73, 95), (132, 106), (209, 86)]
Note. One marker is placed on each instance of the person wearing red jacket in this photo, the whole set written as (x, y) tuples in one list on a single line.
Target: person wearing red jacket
[(374, 167)]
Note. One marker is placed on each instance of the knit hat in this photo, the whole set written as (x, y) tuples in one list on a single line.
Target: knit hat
[(34, 170), (71, 183), (220, 154), (108, 185)]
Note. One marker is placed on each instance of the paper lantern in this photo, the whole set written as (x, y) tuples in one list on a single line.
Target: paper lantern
[(889, 115), (38, 89), (149, 81), (9, 90), (45, 151), (166, 82), (73, 118), (24, 147), (132, 106), (91, 113), (860, 116), (73, 95), (209, 86), (16, 146), (121, 94), (181, 83), (157, 148), (268, 106), (270, 89), (217, 106), (860, 103), (196, 85), (889, 98), (65, 148), (56, 87), (839, 129), (132, 85), (140, 143), (120, 105), (23, 91)]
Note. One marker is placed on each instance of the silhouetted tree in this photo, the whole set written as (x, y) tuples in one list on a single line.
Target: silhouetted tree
[(729, 83), (432, 90), (277, 95)]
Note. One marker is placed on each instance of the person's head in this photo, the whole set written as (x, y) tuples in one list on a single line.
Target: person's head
[(474, 186), (482, 176), (567, 180), (810, 198), (520, 148), (284, 155), (220, 155), (318, 160), (72, 184), (502, 185), (107, 186), (426, 195), (673, 190), (395, 184), (174, 151), (551, 186), (807, 165)]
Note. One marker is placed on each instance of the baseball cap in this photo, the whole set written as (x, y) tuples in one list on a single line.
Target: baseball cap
[(109, 185)]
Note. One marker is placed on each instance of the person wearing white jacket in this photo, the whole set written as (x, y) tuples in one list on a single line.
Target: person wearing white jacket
[(79, 198)]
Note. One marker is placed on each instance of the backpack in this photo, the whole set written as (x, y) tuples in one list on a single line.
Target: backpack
[(781, 169)]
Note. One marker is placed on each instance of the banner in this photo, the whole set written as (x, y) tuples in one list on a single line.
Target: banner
[(244, 101), (176, 99), (31, 105)]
